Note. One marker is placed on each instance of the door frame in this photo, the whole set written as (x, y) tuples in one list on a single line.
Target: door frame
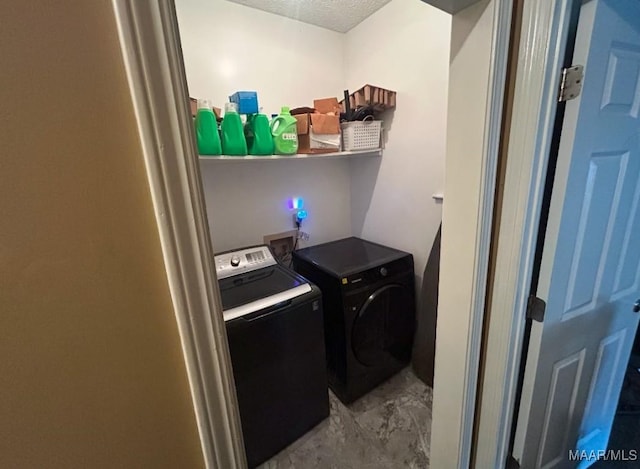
[(547, 29), (152, 56), (477, 84)]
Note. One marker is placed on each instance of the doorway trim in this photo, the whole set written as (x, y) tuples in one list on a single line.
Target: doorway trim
[(152, 55), (477, 86), (546, 25)]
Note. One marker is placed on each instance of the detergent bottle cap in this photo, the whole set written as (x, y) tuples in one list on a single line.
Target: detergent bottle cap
[(204, 104)]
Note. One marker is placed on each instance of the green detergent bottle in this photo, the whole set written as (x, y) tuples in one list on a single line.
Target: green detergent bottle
[(258, 134), (233, 141), (285, 133), (207, 134)]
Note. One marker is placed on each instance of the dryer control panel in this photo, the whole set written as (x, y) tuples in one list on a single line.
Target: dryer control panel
[(243, 260)]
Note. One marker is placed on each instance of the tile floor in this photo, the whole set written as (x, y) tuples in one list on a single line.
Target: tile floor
[(388, 428)]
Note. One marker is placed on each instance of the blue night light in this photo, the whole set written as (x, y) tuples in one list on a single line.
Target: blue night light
[(301, 215), (296, 203)]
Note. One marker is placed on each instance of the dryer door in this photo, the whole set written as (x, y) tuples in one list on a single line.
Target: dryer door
[(383, 328)]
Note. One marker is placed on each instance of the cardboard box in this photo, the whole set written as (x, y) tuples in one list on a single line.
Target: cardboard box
[(318, 133), (381, 99), (329, 106)]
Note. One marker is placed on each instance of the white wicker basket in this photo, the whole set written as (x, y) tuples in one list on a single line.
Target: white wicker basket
[(361, 135)]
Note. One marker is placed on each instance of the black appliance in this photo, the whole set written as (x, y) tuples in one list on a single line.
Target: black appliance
[(274, 326), (424, 346), (368, 293)]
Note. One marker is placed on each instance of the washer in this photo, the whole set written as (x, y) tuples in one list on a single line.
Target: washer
[(369, 311), (274, 324)]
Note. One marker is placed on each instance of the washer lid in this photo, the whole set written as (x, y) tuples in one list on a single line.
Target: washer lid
[(259, 289)]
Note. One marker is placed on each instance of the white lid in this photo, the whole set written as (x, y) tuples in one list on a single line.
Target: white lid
[(204, 104)]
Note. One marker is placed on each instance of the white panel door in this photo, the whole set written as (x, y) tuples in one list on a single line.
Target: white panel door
[(590, 273)]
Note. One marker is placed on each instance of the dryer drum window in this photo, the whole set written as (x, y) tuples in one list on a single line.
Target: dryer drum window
[(383, 328)]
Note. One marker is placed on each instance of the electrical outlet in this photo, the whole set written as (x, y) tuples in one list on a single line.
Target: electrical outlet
[(303, 236), (281, 244)]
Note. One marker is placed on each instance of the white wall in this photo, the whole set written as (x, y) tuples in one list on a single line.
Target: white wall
[(248, 200), (228, 47), (404, 47)]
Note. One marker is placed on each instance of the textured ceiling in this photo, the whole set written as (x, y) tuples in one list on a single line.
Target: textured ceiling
[(338, 15)]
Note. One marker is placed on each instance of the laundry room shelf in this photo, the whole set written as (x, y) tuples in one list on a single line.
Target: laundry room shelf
[(300, 156)]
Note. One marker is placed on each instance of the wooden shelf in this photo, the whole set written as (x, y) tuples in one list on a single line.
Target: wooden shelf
[(300, 156)]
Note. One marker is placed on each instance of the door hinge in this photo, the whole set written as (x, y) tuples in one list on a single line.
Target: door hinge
[(536, 308), (571, 82)]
